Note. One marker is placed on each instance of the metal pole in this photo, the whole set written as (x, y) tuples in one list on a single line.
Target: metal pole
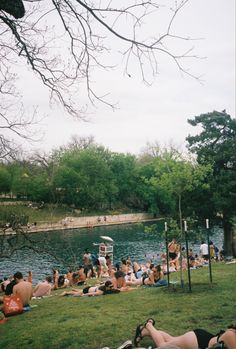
[(186, 242), (167, 254), (209, 251)]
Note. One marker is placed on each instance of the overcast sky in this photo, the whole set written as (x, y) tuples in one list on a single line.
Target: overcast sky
[(158, 113)]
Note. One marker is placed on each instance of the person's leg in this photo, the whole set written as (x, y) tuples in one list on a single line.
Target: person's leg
[(147, 329), (186, 341), (158, 336)]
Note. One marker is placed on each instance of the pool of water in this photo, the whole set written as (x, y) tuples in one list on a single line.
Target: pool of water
[(67, 248)]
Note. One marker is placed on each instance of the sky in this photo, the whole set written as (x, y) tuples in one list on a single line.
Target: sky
[(156, 113)]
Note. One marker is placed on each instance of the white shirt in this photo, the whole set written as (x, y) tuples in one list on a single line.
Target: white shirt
[(204, 249)]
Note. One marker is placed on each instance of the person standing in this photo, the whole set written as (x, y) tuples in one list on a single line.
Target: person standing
[(88, 265), (204, 251), (173, 249)]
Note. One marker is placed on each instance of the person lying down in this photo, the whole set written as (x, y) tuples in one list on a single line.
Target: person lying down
[(106, 288)]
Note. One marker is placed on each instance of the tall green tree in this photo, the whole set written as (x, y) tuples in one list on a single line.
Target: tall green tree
[(83, 178), (216, 145), (124, 170)]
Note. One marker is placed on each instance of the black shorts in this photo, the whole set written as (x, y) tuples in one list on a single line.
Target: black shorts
[(203, 338), (86, 289), (172, 255)]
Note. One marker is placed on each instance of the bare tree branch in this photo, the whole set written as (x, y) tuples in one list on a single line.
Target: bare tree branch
[(64, 43)]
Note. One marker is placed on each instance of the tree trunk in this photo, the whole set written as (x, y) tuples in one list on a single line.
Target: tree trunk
[(234, 242), (181, 229), (228, 238)]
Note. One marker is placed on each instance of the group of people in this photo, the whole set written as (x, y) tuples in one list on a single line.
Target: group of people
[(129, 273), (122, 277), (178, 256)]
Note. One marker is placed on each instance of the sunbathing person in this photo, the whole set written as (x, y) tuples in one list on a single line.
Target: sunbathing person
[(154, 276), (118, 280), (43, 288), (91, 290), (197, 338), (138, 272)]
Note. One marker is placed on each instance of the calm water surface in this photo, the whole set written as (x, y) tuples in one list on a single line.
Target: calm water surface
[(68, 247)]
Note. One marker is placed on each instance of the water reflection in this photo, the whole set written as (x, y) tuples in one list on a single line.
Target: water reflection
[(68, 246)]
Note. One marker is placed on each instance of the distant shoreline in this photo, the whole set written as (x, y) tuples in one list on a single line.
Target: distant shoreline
[(88, 222)]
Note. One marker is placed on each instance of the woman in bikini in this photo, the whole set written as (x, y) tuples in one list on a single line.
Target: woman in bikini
[(197, 338), (90, 290)]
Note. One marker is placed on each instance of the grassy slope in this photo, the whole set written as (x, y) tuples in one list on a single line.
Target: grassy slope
[(91, 323)]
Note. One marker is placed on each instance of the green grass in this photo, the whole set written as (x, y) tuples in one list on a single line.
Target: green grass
[(91, 323)]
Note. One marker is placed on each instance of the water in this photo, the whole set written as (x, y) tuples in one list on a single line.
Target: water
[(67, 248)]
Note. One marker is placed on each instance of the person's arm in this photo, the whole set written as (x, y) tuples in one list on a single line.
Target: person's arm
[(151, 280), (114, 283), (36, 288)]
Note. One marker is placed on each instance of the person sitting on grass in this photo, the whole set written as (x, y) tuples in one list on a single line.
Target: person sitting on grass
[(23, 288), (119, 282), (43, 288), (197, 338), (154, 278)]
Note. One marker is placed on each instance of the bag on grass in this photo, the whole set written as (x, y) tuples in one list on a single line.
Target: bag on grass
[(12, 305)]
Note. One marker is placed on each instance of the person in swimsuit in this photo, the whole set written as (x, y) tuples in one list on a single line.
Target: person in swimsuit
[(90, 290), (155, 274), (197, 338), (172, 248)]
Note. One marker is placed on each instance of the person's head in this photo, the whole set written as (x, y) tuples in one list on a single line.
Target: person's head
[(18, 276), (48, 279), (202, 242), (158, 267), (108, 284)]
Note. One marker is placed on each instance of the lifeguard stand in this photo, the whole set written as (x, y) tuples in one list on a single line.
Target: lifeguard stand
[(106, 247)]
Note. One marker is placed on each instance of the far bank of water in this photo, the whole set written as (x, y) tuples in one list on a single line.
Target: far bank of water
[(68, 247)]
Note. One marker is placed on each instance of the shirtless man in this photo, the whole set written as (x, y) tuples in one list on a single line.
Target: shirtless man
[(43, 288), (22, 288), (88, 266)]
